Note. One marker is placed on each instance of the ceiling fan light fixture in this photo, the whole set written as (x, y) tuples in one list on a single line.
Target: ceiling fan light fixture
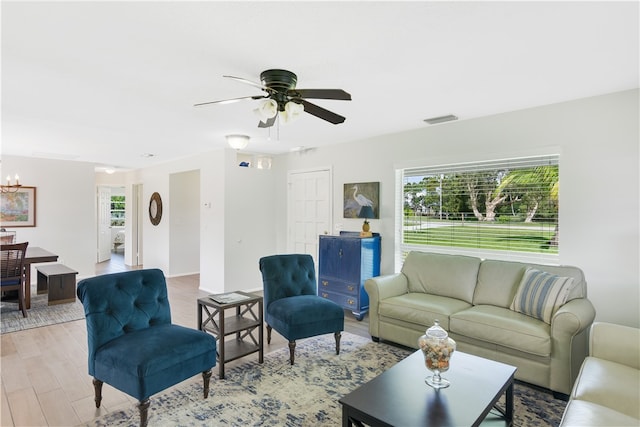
[(237, 142), (267, 109), (292, 110)]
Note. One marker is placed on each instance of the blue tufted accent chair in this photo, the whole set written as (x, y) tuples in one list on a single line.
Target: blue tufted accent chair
[(291, 304), (132, 344)]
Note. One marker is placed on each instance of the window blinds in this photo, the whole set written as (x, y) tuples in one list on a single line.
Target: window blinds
[(503, 209)]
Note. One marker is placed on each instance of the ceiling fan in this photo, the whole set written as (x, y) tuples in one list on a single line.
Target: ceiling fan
[(282, 98)]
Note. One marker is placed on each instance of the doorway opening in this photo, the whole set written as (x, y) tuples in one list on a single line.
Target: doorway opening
[(111, 224)]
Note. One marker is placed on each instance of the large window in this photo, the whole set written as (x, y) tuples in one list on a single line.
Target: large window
[(506, 209), (117, 210)]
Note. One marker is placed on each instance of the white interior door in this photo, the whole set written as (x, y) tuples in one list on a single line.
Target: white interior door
[(104, 223), (309, 210)]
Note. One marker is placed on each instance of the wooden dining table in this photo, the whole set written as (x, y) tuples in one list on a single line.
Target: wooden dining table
[(34, 255)]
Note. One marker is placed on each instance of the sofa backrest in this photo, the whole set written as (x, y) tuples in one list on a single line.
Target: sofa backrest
[(498, 281), (287, 275), (451, 276)]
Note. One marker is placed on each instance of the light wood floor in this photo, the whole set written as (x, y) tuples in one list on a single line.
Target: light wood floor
[(44, 380)]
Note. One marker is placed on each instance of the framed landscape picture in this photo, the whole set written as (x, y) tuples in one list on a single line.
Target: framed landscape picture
[(362, 200), (18, 209)]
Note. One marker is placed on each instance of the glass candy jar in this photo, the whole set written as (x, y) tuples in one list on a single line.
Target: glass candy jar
[(437, 348)]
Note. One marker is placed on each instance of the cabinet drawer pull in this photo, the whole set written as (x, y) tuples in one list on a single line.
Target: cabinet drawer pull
[(351, 302), (325, 283), (325, 295), (351, 287)]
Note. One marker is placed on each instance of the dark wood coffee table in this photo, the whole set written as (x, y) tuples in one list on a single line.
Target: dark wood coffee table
[(400, 397)]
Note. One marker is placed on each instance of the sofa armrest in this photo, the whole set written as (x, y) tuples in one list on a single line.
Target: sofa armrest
[(569, 330), (616, 343), (573, 317), (379, 288), (386, 286)]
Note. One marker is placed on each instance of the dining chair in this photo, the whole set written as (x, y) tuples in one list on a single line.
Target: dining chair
[(12, 271), (7, 237), (291, 303), (133, 346)]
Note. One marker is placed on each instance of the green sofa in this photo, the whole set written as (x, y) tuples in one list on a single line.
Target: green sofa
[(607, 391), (472, 299)]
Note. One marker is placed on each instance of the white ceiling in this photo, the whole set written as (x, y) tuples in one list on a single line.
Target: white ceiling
[(106, 82)]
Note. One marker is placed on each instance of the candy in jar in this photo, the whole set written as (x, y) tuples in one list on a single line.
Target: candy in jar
[(437, 348)]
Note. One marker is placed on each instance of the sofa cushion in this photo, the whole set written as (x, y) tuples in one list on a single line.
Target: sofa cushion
[(499, 280), (503, 327), (580, 413), (609, 384), (146, 361), (421, 309), (452, 276), (541, 294)]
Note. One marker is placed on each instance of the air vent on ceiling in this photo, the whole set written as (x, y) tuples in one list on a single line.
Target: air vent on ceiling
[(441, 119)]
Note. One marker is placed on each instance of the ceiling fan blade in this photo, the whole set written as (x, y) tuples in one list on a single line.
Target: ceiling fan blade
[(230, 101), (320, 94), (249, 82), (322, 113), (269, 122)]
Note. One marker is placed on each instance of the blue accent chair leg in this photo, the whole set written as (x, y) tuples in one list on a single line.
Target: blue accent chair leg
[(206, 377), (143, 407), (97, 386), (292, 350)]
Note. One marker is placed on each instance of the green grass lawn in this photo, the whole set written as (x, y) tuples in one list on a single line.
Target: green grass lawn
[(484, 236)]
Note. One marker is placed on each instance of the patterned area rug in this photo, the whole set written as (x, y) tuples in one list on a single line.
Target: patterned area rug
[(306, 394), (40, 314)]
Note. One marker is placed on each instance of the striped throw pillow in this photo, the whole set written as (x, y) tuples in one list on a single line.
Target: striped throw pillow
[(541, 294)]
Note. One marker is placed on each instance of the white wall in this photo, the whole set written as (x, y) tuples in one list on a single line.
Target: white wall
[(249, 223), (212, 221), (156, 237), (65, 209), (598, 141), (184, 231), (237, 217)]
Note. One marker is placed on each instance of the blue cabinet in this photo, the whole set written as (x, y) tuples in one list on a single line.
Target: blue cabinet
[(345, 262)]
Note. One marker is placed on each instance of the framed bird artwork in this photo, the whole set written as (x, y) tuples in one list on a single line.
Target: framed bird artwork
[(362, 200)]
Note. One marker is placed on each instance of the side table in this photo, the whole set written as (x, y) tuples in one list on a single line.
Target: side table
[(59, 281), (247, 318)]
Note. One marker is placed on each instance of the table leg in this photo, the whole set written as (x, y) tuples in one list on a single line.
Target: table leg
[(509, 404), (261, 334), (346, 422), (221, 344), (27, 285)]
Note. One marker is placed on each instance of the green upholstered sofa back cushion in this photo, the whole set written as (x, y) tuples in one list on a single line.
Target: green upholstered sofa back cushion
[(498, 281), (451, 276)]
